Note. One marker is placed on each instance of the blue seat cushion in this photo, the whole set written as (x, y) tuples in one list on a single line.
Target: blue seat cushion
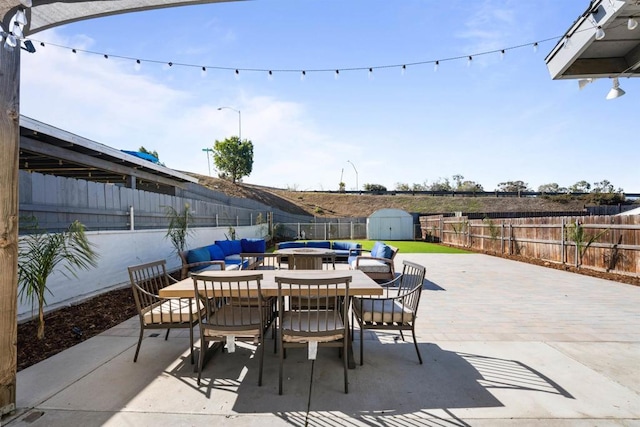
[(216, 252), (345, 246), (198, 255), (253, 245), (319, 244), (289, 245), (230, 247)]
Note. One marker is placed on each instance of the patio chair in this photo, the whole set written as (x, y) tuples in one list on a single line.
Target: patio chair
[(155, 312), (316, 325), (261, 261), (395, 311), (231, 313)]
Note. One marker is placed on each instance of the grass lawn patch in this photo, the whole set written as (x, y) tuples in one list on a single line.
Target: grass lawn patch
[(415, 247)]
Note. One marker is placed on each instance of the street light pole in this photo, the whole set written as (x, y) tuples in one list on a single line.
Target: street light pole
[(356, 171), (239, 120), (208, 150)]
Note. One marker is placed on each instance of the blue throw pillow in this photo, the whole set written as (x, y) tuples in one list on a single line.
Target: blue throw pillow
[(198, 255), (385, 251), (229, 247), (376, 249), (216, 252), (253, 245)]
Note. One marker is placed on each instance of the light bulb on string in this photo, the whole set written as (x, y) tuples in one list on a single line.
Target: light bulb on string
[(370, 75), (337, 74), (632, 23), (303, 75), (167, 66), (567, 42), (138, 65), (17, 30), (436, 65), (502, 52), (270, 75), (469, 60), (403, 70), (203, 72), (21, 17), (10, 42), (535, 47), (237, 74)]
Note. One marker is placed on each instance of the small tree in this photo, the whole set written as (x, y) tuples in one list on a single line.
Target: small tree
[(233, 158), (178, 229), (374, 187), (40, 253), (577, 234), (513, 186)]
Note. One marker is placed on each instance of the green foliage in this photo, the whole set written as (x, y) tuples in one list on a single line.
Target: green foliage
[(402, 186), (40, 253), (341, 187), (513, 186), (580, 187), (576, 233), (552, 188), (374, 187), (441, 184), (233, 158), (178, 229), (494, 230)]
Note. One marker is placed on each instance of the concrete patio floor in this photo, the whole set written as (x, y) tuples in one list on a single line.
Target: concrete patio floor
[(503, 343)]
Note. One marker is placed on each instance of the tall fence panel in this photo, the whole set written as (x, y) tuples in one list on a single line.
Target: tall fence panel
[(603, 243)]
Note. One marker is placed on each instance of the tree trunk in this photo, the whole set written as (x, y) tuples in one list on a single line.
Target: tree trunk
[(9, 148)]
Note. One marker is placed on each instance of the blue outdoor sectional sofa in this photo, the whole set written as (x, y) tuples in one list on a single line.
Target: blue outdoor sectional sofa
[(340, 247), (222, 251)]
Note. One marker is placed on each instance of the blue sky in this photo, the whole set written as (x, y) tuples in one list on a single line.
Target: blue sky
[(497, 119)]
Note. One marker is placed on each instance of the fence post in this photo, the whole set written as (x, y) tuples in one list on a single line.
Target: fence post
[(216, 220), (502, 237), (131, 219), (351, 230), (325, 231), (563, 248), (237, 220), (298, 230)]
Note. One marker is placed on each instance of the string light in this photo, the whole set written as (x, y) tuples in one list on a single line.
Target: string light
[(270, 72)]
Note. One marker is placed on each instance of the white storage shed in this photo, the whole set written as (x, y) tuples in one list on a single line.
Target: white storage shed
[(390, 224)]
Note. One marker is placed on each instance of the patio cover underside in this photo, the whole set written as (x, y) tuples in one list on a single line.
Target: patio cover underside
[(50, 13)]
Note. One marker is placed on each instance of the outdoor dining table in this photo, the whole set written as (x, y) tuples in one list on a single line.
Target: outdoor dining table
[(360, 285)]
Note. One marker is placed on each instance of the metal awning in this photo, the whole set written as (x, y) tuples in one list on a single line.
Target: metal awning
[(583, 54), (48, 150)]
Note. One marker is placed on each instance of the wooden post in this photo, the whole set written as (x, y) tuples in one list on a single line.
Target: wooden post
[(9, 149)]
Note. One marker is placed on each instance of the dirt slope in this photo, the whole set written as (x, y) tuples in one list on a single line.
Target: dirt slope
[(351, 205)]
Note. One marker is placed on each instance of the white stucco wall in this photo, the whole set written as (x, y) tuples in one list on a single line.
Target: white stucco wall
[(117, 251)]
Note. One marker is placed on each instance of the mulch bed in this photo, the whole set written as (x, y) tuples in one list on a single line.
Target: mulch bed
[(69, 326)]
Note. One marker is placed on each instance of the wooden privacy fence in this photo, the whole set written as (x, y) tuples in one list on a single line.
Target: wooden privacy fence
[(605, 243)]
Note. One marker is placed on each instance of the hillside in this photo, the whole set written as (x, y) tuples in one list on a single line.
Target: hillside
[(351, 205)]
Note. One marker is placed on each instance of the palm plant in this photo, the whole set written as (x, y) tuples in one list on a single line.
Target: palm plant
[(40, 253), (178, 229)]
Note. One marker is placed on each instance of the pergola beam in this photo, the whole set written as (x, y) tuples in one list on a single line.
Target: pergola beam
[(41, 15)]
